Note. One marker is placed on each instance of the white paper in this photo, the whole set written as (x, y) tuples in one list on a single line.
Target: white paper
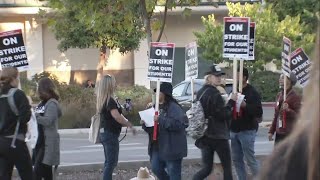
[(148, 117), (240, 98)]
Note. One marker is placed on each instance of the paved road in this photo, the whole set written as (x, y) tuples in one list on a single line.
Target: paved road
[(268, 113), (76, 149)]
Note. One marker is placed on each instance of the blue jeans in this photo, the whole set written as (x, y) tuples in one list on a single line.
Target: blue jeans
[(165, 170), (242, 146), (110, 144)]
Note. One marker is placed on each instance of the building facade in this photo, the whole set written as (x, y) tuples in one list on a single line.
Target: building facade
[(79, 65)]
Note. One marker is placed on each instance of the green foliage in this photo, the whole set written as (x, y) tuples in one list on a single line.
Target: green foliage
[(140, 97), (44, 74), (116, 24), (267, 84), (268, 37), (29, 87), (87, 23), (78, 106), (210, 41), (307, 9)]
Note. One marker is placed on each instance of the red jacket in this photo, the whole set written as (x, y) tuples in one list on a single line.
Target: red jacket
[(294, 102)]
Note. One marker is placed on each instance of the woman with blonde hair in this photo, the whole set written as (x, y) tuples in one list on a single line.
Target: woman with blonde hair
[(112, 121), (15, 112)]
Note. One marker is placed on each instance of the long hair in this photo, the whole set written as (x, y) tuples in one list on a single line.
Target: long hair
[(105, 90), (7, 76), (47, 89), (168, 99)]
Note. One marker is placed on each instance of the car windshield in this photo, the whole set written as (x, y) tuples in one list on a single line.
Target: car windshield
[(178, 90), (197, 87)]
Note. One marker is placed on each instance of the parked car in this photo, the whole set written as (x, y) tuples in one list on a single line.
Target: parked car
[(182, 91)]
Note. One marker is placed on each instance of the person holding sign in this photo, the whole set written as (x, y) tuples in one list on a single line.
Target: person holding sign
[(15, 114), (216, 137), (283, 127), (244, 128), (172, 140)]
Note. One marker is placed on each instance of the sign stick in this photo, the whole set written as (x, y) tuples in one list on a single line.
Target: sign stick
[(235, 66), (155, 128), (234, 87), (241, 76)]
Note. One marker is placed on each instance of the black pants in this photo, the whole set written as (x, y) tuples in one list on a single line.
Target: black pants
[(220, 146), (18, 157), (41, 170), (279, 138)]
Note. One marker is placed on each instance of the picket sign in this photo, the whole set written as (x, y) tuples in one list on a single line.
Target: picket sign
[(160, 69)]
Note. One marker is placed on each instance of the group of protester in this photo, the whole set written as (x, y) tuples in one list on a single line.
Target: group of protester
[(299, 150), (15, 113)]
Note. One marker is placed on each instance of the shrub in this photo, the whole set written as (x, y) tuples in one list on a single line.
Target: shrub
[(79, 104), (29, 87), (140, 96), (267, 84)]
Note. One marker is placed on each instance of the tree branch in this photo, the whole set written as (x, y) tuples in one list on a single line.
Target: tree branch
[(164, 21)]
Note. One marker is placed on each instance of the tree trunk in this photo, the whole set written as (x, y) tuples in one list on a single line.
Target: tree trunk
[(102, 62), (146, 20), (163, 22)]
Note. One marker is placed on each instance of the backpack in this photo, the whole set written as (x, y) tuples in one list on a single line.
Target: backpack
[(13, 107), (198, 124), (94, 130)]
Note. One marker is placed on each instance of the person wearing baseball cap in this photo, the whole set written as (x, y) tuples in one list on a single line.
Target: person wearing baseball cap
[(216, 137), (283, 127)]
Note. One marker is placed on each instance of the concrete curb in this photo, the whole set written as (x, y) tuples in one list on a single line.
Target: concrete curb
[(86, 130), (138, 128), (268, 104)]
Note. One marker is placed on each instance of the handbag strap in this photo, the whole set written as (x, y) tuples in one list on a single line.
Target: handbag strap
[(202, 94)]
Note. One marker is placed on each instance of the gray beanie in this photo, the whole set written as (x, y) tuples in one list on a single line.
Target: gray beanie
[(293, 79)]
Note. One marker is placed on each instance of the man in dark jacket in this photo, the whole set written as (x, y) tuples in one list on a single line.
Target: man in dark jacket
[(217, 134), (243, 130)]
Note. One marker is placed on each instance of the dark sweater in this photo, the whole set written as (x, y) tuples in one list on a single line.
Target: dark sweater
[(247, 119), (8, 120)]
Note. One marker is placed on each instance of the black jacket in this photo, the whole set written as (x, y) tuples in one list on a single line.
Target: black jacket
[(247, 119), (217, 113), (152, 145), (8, 120)]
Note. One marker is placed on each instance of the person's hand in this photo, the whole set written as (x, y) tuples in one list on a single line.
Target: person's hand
[(142, 122), (149, 105), (134, 131), (234, 96), (129, 124), (285, 106), (156, 118), (270, 136)]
